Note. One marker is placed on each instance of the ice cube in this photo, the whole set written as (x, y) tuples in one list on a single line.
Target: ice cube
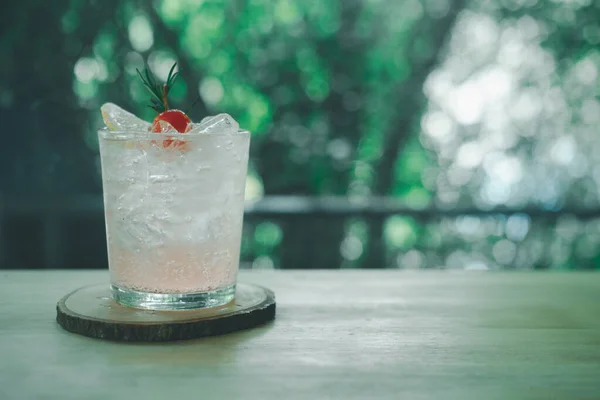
[(221, 123), (164, 127), (118, 119)]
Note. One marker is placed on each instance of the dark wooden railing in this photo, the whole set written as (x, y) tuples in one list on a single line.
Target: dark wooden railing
[(69, 233)]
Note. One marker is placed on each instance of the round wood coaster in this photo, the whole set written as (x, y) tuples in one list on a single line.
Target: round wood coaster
[(91, 311)]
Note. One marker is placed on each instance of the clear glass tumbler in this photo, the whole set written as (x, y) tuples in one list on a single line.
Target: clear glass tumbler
[(174, 211)]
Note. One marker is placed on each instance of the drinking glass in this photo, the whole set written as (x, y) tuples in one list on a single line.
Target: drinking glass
[(174, 210)]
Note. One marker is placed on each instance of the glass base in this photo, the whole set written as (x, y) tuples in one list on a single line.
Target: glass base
[(172, 301)]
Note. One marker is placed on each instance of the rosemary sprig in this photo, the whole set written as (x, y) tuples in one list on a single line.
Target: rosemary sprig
[(158, 101)]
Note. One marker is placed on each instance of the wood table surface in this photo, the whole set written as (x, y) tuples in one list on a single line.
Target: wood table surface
[(349, 334)]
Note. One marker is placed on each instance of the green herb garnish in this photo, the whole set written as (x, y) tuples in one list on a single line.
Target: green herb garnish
[(159, 92)]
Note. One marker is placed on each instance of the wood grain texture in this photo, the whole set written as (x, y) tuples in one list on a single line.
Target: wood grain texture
[(338, 334), (91, 311)]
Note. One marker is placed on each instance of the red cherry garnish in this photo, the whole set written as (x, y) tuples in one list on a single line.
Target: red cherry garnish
[(176, 118)]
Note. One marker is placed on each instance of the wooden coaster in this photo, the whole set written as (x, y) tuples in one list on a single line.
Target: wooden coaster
[(91, 311)]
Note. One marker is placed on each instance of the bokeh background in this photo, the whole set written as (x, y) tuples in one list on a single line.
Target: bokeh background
[(459, 134)]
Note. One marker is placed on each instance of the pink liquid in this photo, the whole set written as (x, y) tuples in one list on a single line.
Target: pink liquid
[(181, 269)]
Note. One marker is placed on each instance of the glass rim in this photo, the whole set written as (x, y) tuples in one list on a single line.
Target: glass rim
[(106, 134)]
